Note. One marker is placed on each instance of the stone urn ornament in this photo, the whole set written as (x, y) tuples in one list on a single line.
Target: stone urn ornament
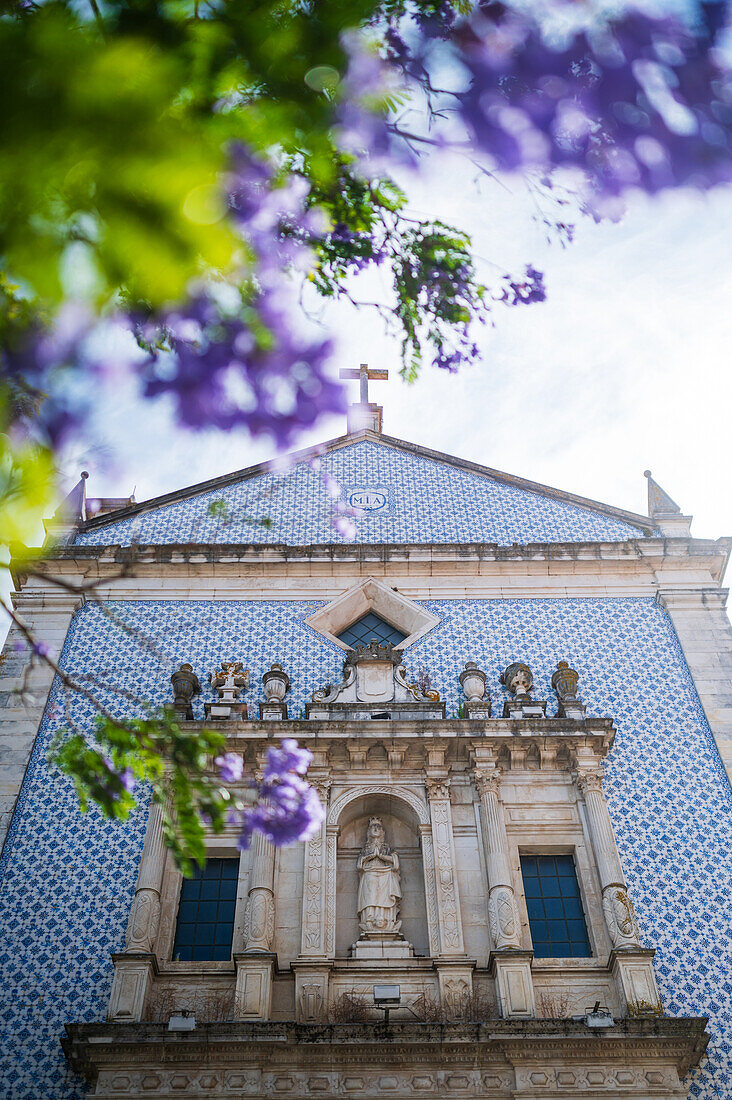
[(185, 686), (472, 681), (276, 684), (564, 682)]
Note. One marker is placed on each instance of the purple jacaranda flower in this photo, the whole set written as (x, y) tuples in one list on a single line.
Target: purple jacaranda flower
[(641, 101), (283, 822), (42, 649), (289, 757), (231, 767)]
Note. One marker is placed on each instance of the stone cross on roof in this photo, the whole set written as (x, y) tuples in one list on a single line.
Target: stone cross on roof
[(364, 413)]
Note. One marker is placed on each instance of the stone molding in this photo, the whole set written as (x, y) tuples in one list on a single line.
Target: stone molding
[(360, 790), (502, 1058)]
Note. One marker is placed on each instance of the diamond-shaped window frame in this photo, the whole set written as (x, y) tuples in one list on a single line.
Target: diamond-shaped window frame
[(372, 595)]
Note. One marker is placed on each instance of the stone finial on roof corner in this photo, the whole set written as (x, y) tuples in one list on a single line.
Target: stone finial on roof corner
[(664, 511)]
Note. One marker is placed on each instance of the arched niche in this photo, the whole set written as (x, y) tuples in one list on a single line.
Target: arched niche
[(401, 824)]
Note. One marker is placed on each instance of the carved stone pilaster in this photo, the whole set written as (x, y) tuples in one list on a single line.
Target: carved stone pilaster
[(144, 921), (314, 943), (430, 889), (616, 905), (502, 910), (331, 854), (448, 899), (259, 914)]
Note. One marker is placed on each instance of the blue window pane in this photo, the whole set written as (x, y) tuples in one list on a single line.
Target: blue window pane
[(225, 914), (207, 910), (573, 909), (553, 903), (199, 954), (230, 868), (227, 888), (577, 930), (554, 908), (568, 887), (186, 935), (532, 887), (184, 954), (371, 628), (221, 953), (535, 907), (210, 888), (187, 910), (205, 933), (539, 930)]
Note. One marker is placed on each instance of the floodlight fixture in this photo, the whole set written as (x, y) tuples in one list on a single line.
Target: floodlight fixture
[(182, 1021)]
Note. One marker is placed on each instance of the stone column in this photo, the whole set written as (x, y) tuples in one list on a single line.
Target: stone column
[(509, 963), (142, 927), (502, 912), (631, 964), (259, 915), (255, 967), (616, 904), (134, 969)]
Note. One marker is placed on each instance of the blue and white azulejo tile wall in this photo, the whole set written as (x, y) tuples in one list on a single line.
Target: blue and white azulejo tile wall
[(68, 881), (403, 497)]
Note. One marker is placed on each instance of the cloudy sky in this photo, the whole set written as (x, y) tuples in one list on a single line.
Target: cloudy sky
[(624, 367)]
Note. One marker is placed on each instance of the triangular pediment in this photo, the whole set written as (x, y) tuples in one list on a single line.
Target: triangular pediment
[(401, 493)]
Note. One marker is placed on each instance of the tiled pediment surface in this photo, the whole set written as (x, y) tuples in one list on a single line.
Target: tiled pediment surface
[(416, 500), (68, 879)]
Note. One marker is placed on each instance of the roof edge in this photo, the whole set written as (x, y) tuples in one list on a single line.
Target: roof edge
[(317, 450)]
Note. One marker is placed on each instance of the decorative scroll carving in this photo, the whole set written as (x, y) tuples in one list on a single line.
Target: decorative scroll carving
[(620, 917), (314, 896), (144, 921), (331, 853), (430, 889), (502, 915)]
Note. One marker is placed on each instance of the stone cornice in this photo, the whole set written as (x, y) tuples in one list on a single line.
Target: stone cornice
[(642, 557), (677, 1040)]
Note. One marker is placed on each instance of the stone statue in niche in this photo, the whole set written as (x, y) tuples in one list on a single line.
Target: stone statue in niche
[(379, 885)]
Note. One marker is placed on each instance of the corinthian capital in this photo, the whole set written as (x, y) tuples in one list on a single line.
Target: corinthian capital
[(589, 780), (488, 782), (438, 790), (322, 784)]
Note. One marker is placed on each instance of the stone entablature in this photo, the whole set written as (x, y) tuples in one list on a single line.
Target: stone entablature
[(504, 1059)]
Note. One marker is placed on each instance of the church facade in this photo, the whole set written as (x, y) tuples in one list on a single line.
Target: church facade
[(519, 705)]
